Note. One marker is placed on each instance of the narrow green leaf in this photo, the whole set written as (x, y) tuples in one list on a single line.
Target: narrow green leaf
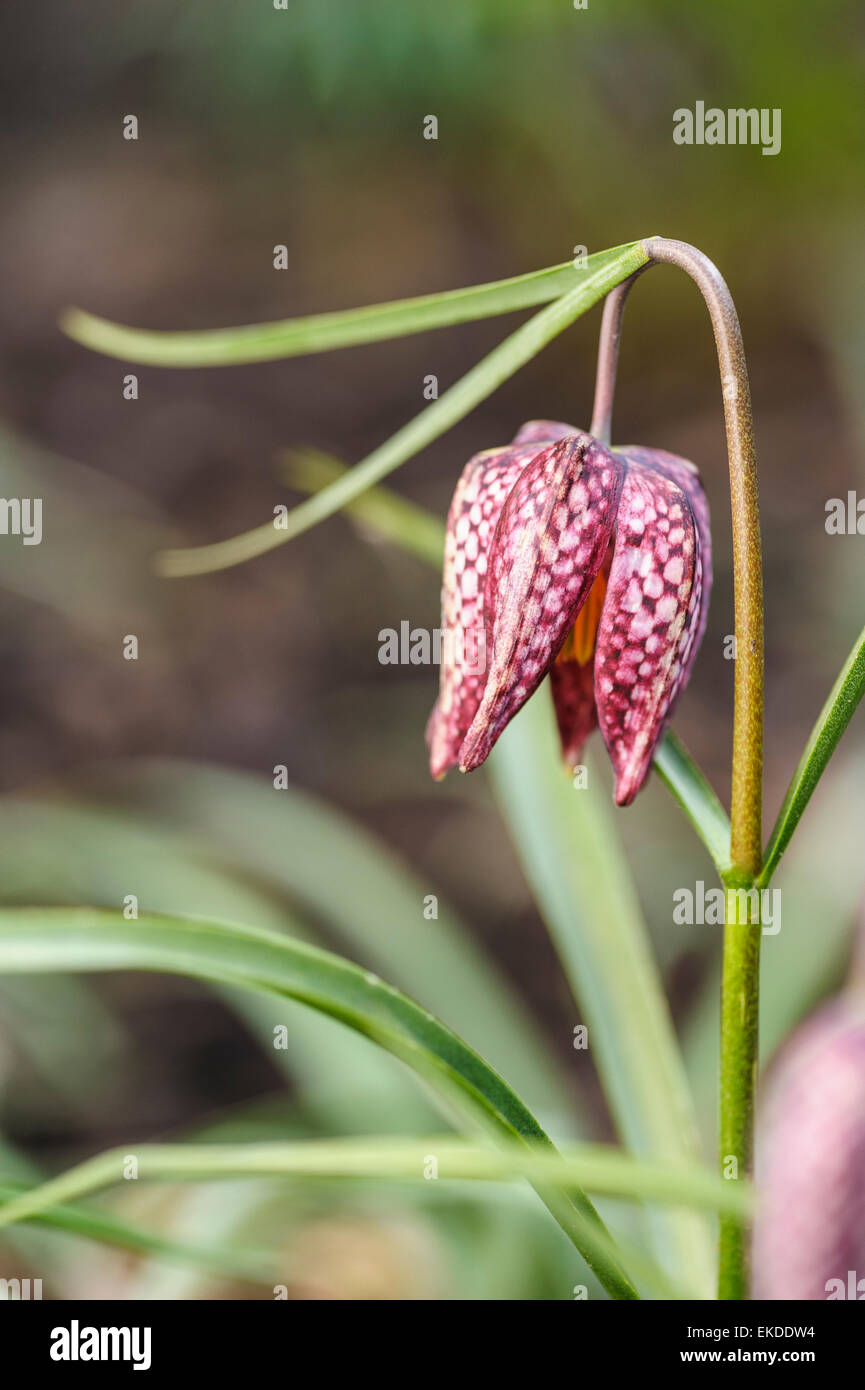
[(825, 737), (681, 775), (61, 939), (572, 858), (603, 1170), (91, 1224), (262, 342), (478, 383)]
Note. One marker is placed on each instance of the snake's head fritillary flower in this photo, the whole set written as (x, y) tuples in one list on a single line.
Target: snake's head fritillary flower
[(809, 1232), (592, 564)]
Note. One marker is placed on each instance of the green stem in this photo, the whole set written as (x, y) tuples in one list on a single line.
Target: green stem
[(740, 995), (746, 798)]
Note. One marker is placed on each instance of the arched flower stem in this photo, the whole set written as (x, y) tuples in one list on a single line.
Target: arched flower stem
[(608, 357), (740, 983)]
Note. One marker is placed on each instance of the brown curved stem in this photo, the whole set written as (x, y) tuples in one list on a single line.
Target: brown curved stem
[(746, 799), (608, 358), (740, 984)]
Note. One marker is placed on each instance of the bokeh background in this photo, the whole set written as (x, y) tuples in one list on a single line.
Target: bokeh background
[(305, 127)]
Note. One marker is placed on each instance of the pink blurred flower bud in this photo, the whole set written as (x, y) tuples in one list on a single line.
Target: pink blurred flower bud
[(809, 1236)]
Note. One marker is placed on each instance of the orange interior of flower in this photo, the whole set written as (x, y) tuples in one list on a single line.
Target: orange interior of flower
[(579, 644)]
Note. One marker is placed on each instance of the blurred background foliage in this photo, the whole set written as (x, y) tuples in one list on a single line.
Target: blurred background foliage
[(304, 127)]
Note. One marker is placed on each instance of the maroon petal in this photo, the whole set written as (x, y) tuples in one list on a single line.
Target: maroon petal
[(572, 674), (684, 473), (573, 688), (655, 609), (543, 432), (549, 544), (477, 502), (480, 495)]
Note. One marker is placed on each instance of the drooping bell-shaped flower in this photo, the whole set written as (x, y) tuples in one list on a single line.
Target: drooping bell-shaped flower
[(809, 1232), (565, 556)]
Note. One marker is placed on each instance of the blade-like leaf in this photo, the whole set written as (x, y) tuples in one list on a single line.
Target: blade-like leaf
[(478, 383), (681, 775), (262, 342), (602, 1170), (825, 737), (57, 939)]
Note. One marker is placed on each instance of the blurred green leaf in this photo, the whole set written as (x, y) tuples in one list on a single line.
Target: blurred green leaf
[(336, 873), (218, 841), (66, 1032), (49, 939), (108, 1230), (65, 853), (435, 1157), (382, 512), (573, 860), (95, 569)]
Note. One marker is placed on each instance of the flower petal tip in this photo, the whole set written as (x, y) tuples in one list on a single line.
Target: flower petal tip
[(474, 754), (441, 761), (630, 780)]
